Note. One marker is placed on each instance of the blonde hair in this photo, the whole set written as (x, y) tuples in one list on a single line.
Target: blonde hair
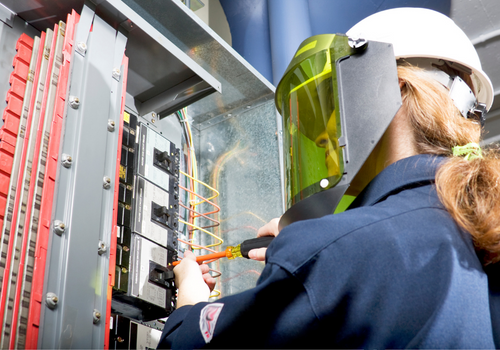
[(469, 189)]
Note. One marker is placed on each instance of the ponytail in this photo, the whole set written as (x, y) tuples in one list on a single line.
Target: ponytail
[(469, 189)]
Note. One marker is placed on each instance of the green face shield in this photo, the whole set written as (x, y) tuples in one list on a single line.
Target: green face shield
[(327, 99), (306, 98)]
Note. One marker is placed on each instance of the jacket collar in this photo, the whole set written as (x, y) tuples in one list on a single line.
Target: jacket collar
[(406, 173)]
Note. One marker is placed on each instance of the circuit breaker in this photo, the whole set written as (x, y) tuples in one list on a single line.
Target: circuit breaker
[(133, 334), (147, 220)]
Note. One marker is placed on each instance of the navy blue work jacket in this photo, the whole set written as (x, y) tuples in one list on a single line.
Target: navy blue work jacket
[(394, 271)]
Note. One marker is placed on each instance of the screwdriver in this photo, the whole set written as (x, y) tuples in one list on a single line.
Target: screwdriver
[(239, 251)]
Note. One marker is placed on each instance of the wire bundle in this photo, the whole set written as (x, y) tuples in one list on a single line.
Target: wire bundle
[(193, 199)]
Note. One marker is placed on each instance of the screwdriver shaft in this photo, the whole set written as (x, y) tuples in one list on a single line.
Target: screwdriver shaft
[(201, 258)]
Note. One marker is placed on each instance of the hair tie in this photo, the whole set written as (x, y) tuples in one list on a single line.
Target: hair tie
[(470, 151)]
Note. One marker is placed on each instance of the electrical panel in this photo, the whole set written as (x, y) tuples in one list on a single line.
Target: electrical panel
[(147, 218), (99, 195)]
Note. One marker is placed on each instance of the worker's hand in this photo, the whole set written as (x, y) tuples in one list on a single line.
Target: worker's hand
[(193, 281), (269, 229)]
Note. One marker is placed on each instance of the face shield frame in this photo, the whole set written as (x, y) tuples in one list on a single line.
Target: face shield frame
[(366, 98)]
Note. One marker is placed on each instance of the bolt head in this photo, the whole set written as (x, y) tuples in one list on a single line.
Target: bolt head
[(51, 300), (111, 125), (106, 182), (66, 160), (116, 73), (59, 227), (324, 183), (81, 47), (102, 248), (357, 43), (96, 315), (74, 102)]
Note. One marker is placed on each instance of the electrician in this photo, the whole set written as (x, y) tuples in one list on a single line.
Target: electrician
[(413, 263)]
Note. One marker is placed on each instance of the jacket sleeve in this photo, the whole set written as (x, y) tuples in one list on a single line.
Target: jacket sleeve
[(256, 318)]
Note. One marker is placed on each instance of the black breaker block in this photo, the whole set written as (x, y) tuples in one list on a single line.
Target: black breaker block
[(148, 205), (131, 334)]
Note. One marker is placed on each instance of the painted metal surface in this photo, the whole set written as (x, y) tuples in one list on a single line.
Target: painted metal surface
[(162, 76), (77, 273), (242, 85)]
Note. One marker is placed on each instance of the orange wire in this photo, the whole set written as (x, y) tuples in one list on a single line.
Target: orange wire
[(200, 214), (204, 199), (193, 214), (216, 271)]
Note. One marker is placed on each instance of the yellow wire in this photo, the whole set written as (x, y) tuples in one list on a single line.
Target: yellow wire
[(204, 184), (207, 232), (217, 293)]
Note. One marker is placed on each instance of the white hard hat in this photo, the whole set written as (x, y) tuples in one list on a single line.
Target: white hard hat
[(424, 33)]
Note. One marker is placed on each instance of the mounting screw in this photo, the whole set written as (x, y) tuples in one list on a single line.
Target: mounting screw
[(66, 160), (116, 73), (102, 248), (74, 102), (59, 227), (106, 182), (51, 300), (324, 183), (357, 43), (111, 125), (81, 47), (96, 316)]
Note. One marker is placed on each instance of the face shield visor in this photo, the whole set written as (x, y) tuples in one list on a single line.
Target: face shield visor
[(306, 99), (327, 98)]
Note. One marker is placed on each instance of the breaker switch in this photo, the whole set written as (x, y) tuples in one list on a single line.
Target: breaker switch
[(163, 215), (163, 156), (163, 160), (162, 211), (161, 275)]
